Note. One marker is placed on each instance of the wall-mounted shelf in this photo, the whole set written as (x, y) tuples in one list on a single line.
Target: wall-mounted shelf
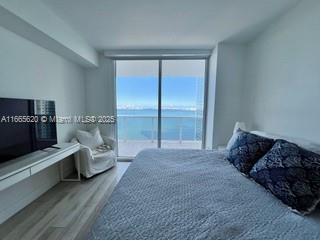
[(23, 167)]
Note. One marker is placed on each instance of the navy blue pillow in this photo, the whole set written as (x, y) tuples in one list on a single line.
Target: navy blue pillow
[(247, 149), (292, 174)]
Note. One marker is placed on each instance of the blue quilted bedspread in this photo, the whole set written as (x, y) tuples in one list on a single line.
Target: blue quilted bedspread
[(195, 194)]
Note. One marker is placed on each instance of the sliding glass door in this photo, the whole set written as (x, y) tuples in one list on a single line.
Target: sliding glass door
[(137, 105), (159, 104), (182, 101)]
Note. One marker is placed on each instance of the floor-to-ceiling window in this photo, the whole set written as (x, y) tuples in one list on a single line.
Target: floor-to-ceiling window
[(159, 104), (182, 100), (137, 105)]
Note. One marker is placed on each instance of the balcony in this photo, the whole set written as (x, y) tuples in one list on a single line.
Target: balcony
[(136, 133)]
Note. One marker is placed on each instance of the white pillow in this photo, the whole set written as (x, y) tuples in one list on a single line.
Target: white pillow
[(234, 137), (309, 145), (238, 126), (232, 140), (90, 139)]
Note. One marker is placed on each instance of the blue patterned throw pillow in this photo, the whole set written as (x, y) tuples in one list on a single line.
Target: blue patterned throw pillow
[(292, 174), (247, 149)]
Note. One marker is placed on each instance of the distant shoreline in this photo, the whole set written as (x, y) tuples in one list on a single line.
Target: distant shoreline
[(141, 124)]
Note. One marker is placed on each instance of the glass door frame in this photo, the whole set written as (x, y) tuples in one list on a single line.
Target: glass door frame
[(160, 59)]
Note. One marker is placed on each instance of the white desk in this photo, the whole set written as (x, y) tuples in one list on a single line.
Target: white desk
[(16, 170)]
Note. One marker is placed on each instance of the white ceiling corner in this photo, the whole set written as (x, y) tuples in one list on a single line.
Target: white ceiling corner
[(167, 24)]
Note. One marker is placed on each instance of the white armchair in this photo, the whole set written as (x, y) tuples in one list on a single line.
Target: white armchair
[(92, 161)]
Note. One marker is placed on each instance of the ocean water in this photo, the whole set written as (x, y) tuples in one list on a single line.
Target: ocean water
[(142, 124)]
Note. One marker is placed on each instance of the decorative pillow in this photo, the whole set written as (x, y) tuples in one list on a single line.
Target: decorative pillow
[(292, 174), (90, 139), (247, 149)]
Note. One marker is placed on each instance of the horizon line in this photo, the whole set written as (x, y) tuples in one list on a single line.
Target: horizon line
[(187, 108)]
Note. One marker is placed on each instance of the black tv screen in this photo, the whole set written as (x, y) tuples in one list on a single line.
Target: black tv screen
[(25, 126)]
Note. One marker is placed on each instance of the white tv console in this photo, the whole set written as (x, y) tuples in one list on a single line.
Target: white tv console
[(16, 170)]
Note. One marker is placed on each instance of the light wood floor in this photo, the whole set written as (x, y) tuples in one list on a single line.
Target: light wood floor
[(64, 212)]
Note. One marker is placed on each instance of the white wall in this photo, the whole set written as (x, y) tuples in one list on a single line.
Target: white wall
[(228, 90), (29, 71), (211, 93), (100, 92), (283, 75), (35, 21)]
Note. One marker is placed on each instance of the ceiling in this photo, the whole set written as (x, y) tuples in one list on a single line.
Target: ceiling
[(167, 24)]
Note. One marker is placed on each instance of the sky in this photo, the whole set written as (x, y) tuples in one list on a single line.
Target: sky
[(142, 92)]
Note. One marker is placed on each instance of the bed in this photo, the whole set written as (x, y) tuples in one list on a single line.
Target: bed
[(195, 194)]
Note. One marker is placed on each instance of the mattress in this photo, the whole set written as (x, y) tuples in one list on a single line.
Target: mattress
[(195, 194)]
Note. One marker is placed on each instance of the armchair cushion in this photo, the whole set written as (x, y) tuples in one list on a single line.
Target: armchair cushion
[(90, 139), (109, 141), (103, 155)]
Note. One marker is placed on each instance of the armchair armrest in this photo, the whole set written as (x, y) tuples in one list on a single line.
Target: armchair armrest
[(83, 156), (86, 151), (109, 141)]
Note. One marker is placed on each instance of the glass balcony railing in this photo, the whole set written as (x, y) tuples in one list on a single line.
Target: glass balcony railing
[(138, 132)]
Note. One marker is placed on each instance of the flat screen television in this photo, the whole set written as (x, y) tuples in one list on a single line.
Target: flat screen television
[(25, 127)]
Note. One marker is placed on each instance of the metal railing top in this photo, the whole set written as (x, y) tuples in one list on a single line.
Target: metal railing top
[(144, 116)]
